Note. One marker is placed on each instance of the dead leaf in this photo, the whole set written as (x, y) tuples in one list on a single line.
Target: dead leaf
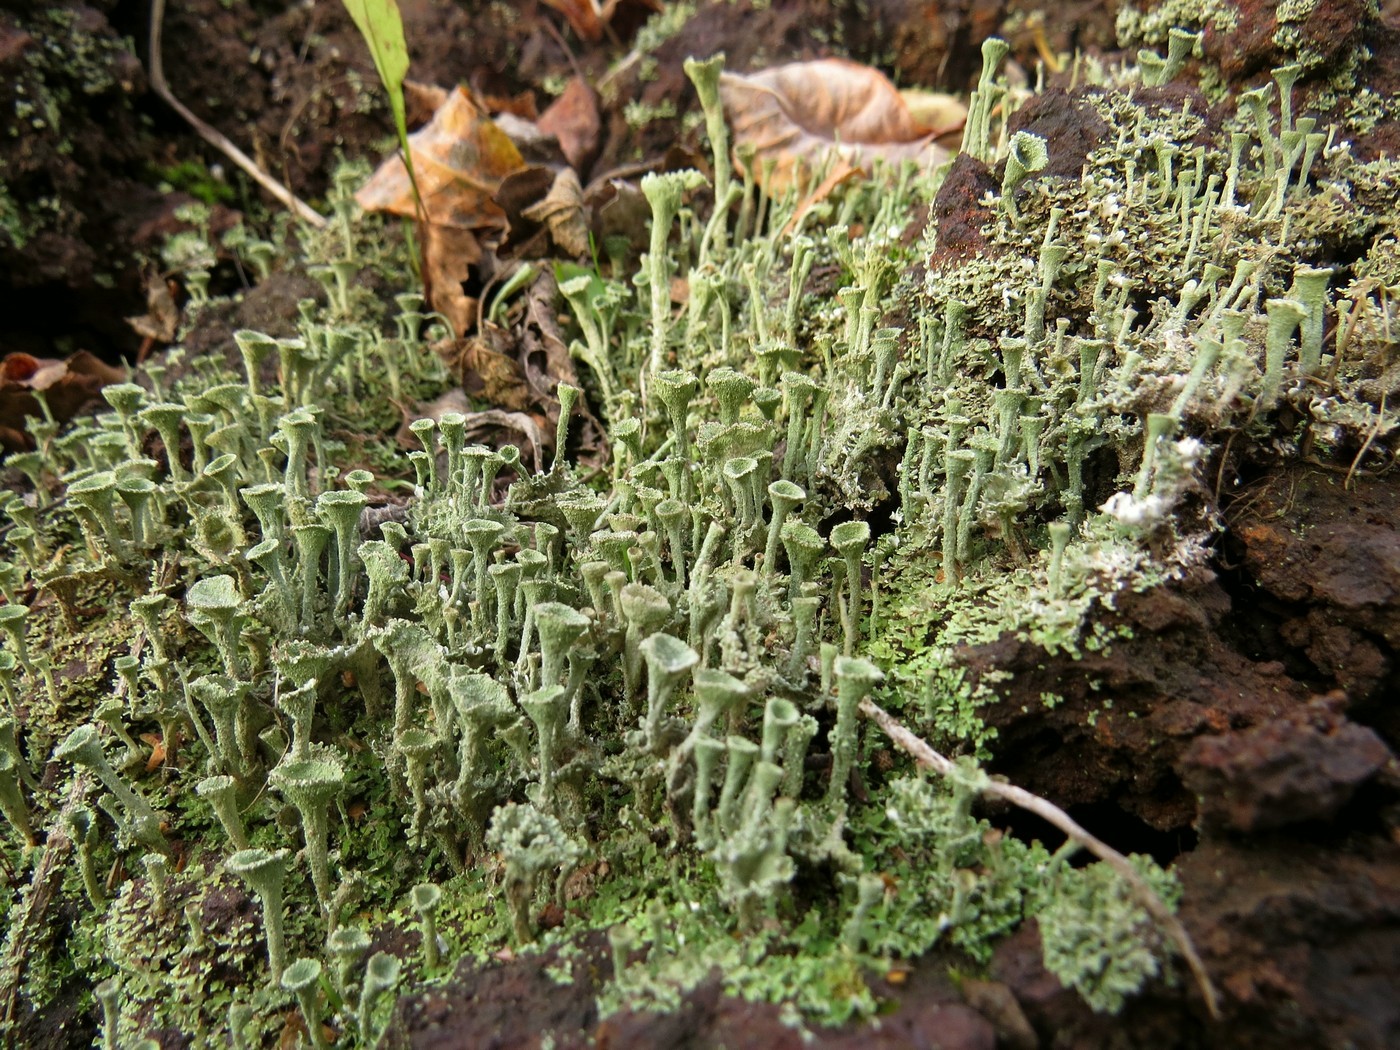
[(66, 385), (840, 172), (938, 111), (561, 211), (491, 427), (161, 320), (534, 145), (619, 209), (542, 338), (421, 101), (573, 119), (799, 115), (584, 16), (488, 372), (460, 158), (589, 17), (521, 105), (293, 1032), (523, 189), (448, 256), (488, 427)]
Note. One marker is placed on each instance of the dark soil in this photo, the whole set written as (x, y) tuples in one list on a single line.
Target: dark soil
[(1252, 729)]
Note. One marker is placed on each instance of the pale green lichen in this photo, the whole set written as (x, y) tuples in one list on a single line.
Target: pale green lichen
[(623, 670)]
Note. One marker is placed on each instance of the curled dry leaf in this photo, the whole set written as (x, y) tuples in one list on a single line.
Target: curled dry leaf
[(585, 17), (588, 18), (460, 158), (421, 101), (806, 115), (944, 114), (544, 353), (66, 386), (561, 211), (487, 369), (161, 320)]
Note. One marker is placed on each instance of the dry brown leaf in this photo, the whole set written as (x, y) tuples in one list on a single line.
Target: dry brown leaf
[(573, 119), (487, 370), (936, 110), (586, 17), (421, 101), (798, 115), (460, 158), (561, 211), (840, 172), (524, 188), (541, 338), (158, 755), (448, 256), (619, 209), (67, 386), (161, 320), (520, 105)]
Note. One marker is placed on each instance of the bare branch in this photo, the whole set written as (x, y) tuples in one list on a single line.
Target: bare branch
[(215, 138)]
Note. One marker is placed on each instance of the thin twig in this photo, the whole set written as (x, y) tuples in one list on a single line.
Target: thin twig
[(1145, 895), (216, 139), (1371, 436)]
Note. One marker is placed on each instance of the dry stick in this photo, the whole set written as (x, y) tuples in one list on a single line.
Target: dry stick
[(289, 199), (925, 755), (1366, 445)]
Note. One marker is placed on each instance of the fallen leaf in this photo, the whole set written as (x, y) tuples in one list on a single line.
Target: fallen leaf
[(573, 119), (620, 209), (488, 428), (66, 386), (534, 145), (488, 372), (803, 115), (492, 426), (840, 172), (543, 338), (161, 320), (523, 189), (521, 105), (422, 101), (940, 112), (586, 17), (448, 256), (460, 157), (293, 1032), (561, 211)]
